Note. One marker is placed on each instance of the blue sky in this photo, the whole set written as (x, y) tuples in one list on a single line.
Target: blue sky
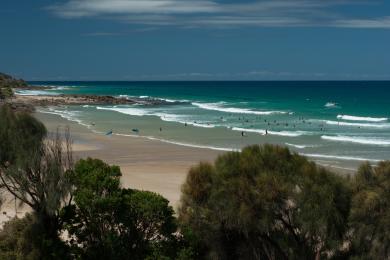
[(195, 39)]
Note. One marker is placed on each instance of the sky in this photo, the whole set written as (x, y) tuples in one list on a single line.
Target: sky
[(195, 39)]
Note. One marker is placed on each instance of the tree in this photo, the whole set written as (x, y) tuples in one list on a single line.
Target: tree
[(370, 214), (15, 239), (35, 171), (108, 222), (265, 202)]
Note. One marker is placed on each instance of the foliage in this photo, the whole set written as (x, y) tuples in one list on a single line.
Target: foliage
[(6, 92), (7, 83), (108, 222), (21, 135), (370, 215), (265, 202), (14, 242), (35, 172)]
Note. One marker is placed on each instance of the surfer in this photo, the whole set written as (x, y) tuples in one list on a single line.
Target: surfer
[(266, 132), (160, 129)]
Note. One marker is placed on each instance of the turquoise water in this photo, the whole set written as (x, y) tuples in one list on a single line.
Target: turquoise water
[(340, 123)]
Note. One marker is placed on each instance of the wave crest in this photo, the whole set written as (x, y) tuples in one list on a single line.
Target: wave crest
[(361, 118), (366, 125), (219, 106), (279, 133), (358, 140)]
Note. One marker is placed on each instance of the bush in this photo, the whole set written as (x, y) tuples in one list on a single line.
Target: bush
[(15, 242), (265, 202), (370, 214), (108, 222)]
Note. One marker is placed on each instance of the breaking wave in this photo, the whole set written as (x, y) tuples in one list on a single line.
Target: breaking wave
[(358, 140), (163, 116), (365, 125), (361, 118), (279, 133), (346, 158), (219, 106)]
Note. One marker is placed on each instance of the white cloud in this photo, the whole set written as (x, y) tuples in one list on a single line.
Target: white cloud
[(210, 13), (378, 23), (81, 8)]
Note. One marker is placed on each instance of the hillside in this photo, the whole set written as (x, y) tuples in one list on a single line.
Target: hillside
[(8, 83)]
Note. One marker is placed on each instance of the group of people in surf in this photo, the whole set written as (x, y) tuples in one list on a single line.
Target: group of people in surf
[(244, 120)]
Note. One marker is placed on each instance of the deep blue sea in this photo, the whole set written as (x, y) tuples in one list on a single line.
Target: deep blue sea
[(338, 123)]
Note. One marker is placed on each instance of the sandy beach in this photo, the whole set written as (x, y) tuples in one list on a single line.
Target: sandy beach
[(145, 164)]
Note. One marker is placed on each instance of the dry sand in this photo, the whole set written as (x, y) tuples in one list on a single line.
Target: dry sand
[(145, 164)]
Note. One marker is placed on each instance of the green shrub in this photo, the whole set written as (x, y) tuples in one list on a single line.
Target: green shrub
[(265, 202)]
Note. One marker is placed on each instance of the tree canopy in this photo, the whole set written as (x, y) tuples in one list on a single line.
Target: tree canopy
[(265, 202), (109, 222), (370, 216)]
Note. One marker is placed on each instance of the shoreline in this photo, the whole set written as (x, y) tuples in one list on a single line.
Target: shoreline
[(80, 99), (149, 165), (146, 164)]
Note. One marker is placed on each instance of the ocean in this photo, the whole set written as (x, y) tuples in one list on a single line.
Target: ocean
[(338, 123)]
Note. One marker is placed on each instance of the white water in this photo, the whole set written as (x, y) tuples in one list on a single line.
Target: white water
[(358, 140), (219, 106), (280, 133), (361, 118), (365, 125), (346, 158)]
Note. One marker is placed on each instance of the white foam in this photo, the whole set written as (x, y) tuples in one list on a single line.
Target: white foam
[(301, 146), (36, 93), (172, 100), (289, 133), (219, 106), (358, 140), (346, 158), (163, 116), (128, 111), (365, 125), (180, 143), (182, 120), (68, 115), (259, 131), (280, 133), (195, 145), (331, 105), (155, 98), (360, 118), (59, 88)]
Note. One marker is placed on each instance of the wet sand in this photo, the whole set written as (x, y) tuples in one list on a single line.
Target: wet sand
[(145, 164)]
